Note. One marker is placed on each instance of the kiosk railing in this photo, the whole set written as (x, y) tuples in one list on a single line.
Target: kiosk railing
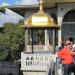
[(37, 61)]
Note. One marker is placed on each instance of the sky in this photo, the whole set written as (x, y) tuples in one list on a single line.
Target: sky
[(11, 16), (18, 2)]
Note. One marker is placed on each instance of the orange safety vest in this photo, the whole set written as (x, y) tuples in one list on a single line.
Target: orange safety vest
[(66, 56)]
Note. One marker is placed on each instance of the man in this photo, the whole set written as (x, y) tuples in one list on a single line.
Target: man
[(66, 55)]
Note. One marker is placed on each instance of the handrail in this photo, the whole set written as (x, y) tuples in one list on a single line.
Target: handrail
[(36, 62)]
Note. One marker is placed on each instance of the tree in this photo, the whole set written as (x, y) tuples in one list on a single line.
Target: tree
[(13, 38), (2, 10), (4, 50)]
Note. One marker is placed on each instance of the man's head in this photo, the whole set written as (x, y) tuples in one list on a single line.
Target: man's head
[(68, 44)]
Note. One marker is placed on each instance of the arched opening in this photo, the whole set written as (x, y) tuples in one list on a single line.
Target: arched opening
[(68, 25)]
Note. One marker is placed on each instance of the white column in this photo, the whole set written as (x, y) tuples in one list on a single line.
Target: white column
[(59, 31), (59, 37), (26, 39), (46, 41)]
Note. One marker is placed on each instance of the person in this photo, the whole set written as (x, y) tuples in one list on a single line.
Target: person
[(66, 55), (73, 65)]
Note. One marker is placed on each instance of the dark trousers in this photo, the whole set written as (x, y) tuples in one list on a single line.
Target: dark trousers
[(72, 68), (67, 70)]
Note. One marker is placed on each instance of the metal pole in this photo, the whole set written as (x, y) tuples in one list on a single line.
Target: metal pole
[(54, 40), (32, 39)]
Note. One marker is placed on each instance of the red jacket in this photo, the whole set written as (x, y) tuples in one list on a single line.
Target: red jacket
[(66, 56)]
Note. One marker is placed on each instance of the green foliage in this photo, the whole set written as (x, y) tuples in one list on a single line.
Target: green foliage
[(13, 38), (3, 51), (2, 9)]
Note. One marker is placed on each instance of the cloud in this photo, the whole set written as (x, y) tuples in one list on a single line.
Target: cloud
[(5, 4), (26, 2), (19, 2), (10, 16)]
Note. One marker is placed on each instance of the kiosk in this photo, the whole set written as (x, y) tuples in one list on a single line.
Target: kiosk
[(38, 62)]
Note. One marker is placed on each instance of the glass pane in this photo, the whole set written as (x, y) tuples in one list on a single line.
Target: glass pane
[(38, 37)]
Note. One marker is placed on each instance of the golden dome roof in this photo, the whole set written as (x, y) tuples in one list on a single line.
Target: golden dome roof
[(40, 19)]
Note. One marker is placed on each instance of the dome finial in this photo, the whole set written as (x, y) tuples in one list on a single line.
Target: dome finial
[(41, 4)]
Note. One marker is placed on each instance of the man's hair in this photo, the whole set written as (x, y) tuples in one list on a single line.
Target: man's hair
[(67, 42), (71, 39)]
